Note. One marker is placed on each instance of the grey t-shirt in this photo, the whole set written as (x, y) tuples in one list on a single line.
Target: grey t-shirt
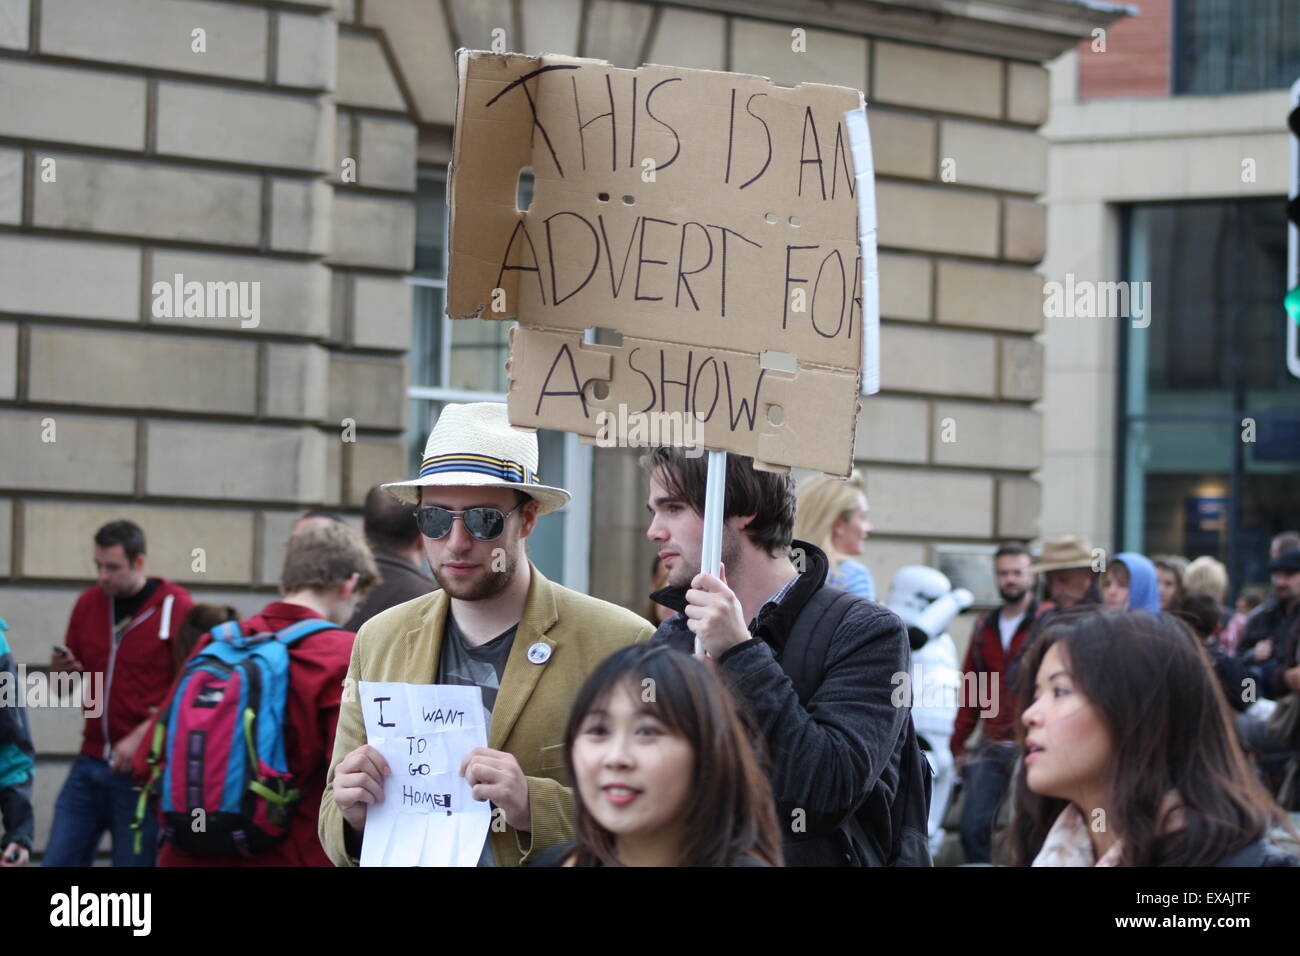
[(462, 664)]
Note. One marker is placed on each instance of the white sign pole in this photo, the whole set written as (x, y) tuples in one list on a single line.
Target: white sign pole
[(715, 491)]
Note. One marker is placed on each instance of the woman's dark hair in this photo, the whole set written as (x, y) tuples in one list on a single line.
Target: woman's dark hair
[(730, 812), (1152, 686), (766, 495), (201, 619)]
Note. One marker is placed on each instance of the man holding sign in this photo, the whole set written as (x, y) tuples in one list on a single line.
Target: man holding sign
[(498, 624), (818, 668)]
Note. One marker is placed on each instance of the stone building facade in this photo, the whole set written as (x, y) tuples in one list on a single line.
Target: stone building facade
[(282, 143)]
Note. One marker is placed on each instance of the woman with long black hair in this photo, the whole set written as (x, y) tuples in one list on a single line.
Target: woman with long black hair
[(664, 772), (1130, 758)]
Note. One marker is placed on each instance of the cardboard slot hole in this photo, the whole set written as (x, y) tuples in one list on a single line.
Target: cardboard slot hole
[(603, 336), (628, 200), (775, 414), (794, 221), (778, 361), (602, 197), (599, 390), (524, 189), (769, 217)]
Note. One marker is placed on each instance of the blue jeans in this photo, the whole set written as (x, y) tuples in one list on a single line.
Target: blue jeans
[(984, 785), (95, 798)]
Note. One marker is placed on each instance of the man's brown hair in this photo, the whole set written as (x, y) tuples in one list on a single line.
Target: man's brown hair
[(767, 496), (322, 556)]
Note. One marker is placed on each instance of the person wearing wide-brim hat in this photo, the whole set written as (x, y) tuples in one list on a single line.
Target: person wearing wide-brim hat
[(497, 624), (1070, 568)]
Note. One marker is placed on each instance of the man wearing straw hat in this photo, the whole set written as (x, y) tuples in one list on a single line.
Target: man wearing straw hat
[(497, 623), (1071, 570)]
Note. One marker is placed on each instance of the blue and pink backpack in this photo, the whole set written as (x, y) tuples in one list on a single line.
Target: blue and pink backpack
[(219, 748)]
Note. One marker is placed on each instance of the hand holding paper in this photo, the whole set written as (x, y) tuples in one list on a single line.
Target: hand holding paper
[(425, 814), (496, 776), (359, 781)]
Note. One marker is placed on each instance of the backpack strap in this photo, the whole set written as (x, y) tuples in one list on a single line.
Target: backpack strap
[(804, 659), (229, 631), (296, 632)]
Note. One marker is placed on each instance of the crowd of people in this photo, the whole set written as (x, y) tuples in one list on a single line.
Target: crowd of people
[(1106, 712)]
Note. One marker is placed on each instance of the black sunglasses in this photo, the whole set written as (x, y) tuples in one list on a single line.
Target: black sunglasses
[(484, 524)]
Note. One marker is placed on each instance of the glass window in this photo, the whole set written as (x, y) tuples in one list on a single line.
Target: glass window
[(464, 361), (1235, 46), (1210, 424)]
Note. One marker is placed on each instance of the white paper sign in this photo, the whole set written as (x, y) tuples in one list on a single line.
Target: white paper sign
[(428, 816)]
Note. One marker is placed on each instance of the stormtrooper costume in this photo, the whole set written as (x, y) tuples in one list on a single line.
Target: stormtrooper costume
[(924, 598)]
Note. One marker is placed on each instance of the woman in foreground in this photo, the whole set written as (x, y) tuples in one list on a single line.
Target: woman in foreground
[(664, 773), (1130, 758)]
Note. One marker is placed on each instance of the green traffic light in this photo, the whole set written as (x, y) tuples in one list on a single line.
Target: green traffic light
[(1292, 303)]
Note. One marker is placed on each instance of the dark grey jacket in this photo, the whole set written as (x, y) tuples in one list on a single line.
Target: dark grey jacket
[(845, 747), (400, 581)]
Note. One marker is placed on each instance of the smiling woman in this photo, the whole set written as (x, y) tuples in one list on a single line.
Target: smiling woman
[(665, 773)]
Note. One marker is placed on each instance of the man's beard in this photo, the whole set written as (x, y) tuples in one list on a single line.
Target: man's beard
[(682, 575), (480, 589), (1010, 596)]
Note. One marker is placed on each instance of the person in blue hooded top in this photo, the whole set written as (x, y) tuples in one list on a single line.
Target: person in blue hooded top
[(1131, 584)]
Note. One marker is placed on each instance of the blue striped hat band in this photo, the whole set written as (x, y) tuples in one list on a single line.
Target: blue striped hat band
[(502, 468)]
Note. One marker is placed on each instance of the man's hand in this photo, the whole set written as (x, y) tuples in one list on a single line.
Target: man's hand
[(714, 614), (496, 775), (15, 854), (123, 755), (358, 782), (1291, 677), (60, 662), (1264, 649)]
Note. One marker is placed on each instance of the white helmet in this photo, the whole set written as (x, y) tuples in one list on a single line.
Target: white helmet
[(914, 589), (923, 597)]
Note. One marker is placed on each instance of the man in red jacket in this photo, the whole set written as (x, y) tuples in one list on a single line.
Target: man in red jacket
[(327, 571), (119, 639), (995, 645)]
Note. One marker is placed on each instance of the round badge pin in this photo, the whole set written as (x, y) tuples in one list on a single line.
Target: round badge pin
[(539, 653)]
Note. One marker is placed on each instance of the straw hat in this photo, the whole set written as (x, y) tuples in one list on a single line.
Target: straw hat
[(475, 445), (1061, 554)]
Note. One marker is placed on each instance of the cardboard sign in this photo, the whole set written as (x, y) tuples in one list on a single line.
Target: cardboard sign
[(709, 218)]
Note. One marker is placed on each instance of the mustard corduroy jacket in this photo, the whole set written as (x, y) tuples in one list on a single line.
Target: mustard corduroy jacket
[(532, 706)]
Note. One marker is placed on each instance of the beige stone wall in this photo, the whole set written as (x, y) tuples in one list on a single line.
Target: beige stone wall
[(137, 150)]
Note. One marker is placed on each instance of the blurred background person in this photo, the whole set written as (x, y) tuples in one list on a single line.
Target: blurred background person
[(395, 541), (832, 514), (1269, 654), (1248, 602), (1131, 584), (17, 765), (1170, 569), (1130, 757), (925, 601), (996, 643), (664, 772), (1203, 616), (201, 619), (1070, 573)]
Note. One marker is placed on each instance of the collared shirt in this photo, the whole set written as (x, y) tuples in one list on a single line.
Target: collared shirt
[(1068, 844), (776, 598)]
